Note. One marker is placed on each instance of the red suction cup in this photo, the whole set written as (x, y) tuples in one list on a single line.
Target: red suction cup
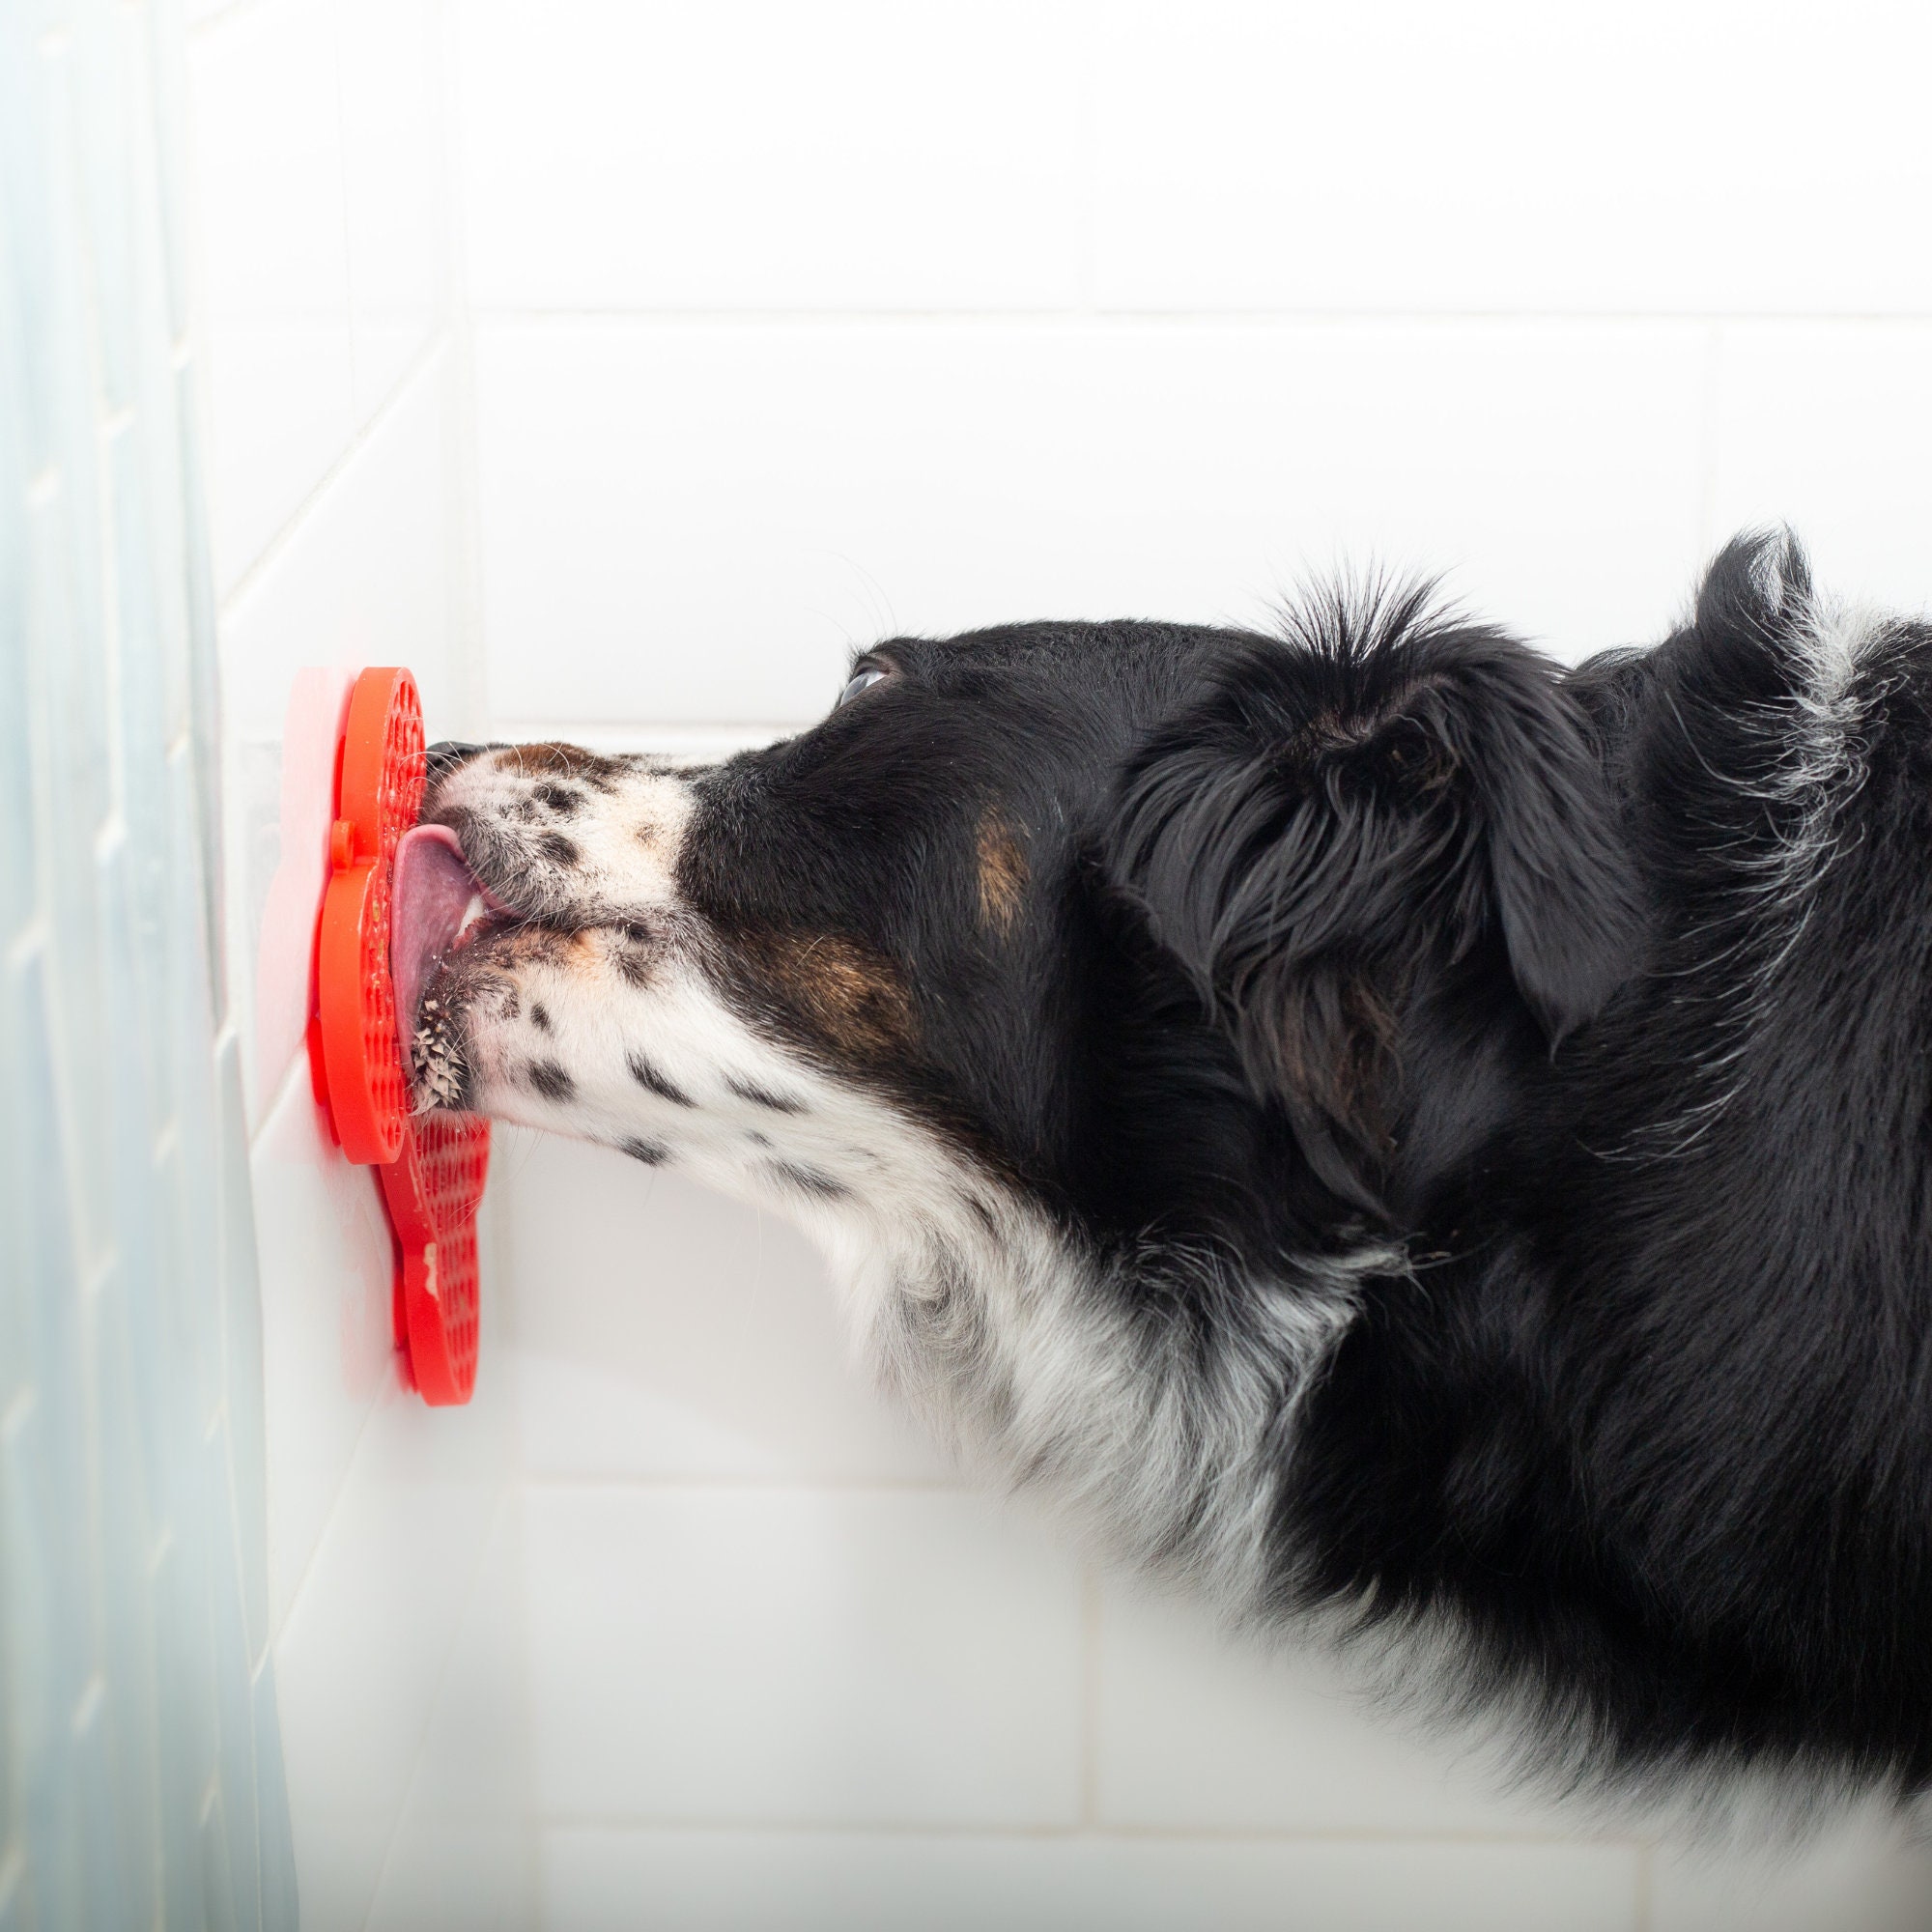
[(432, 1168)]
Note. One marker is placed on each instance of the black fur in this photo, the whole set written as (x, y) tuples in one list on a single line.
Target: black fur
[(1337, 837), (1386, 924), (1600, 999)]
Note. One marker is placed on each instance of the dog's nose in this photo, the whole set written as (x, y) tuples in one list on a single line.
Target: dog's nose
[(445, 755)]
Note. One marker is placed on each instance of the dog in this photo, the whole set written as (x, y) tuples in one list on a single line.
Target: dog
[(1408, 1140)]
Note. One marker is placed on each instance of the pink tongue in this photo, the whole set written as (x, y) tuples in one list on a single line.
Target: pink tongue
[(428, 894)]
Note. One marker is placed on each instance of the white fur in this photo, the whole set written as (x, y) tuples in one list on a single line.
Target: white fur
[(627, 841), (1029, 1350)]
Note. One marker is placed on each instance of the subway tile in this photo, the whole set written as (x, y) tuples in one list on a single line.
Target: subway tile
[(1508, 156), (393, 149), (268, 187), (458, 1875), (1823, 425), (1862, 1877), (853, 154), (475, 1763), (663, 1330), (1197, 1731), (328, 1338), (697, 525), (594, 1879), (268, 139), (464, 1854), (363, 579), (280, 408), (799, 1655), (364, 1644)]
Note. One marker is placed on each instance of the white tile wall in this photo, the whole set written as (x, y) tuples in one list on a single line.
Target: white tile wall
[(834, 482), (800, 1655), (1864, 1874), (748, 1882), (360, 576), (339, 496), (364, 1647), (327, 1342), (798, 326), (1397, 156), (1822, 425), (852, 154), (665, 1332), (793, 325), (1500, 156), (1194, 1731), (454, 1863), (266, 119), (396, 214)]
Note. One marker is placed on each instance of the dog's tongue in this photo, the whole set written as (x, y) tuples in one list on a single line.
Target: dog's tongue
[(430, 896)]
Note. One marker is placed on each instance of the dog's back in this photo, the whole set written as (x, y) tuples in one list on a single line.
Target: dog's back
[(1704, 1264)]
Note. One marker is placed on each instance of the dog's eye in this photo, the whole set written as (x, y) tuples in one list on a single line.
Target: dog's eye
[(862, 680)]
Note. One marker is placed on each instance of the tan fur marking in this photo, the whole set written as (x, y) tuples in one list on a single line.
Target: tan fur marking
[(1003, 873), (846, 995)]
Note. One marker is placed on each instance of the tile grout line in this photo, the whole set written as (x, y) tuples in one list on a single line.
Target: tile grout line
[(507, 1499), (278, 544), (302, 1583), (1066, 317), (1184, 1834), (295, 1072)]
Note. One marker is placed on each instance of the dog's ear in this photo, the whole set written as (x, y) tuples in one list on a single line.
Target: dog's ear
[(1337, 817)]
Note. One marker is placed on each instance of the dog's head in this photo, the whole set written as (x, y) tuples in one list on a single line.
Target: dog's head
[(1146, 920)]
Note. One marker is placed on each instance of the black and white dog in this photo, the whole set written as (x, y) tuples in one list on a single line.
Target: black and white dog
[(1393, 1133)]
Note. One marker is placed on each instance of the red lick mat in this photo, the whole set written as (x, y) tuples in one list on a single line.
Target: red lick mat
[(432, 1167)]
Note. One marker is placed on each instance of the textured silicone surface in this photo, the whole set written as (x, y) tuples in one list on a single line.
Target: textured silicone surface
[(432, 1167), (378, 792), (432, 1192)]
